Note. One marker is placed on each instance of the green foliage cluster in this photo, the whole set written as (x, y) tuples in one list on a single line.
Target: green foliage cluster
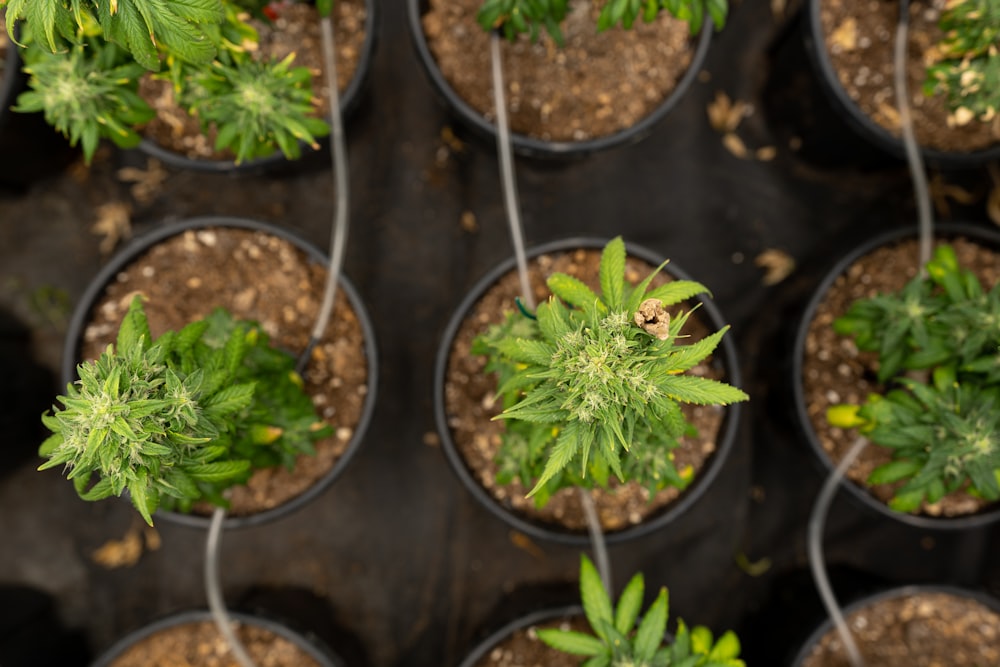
[(85, 59), (967, 66), (515, 17), (943, 428), (619, 642), (180, 419), (588, 391)]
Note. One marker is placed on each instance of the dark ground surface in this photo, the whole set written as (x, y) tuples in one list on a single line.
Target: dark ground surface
[(396, 564)]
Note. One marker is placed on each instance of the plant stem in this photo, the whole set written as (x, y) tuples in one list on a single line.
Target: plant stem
[(213, 590), (817, 521), (913, 157), (603, 562), (511, 204), (338, 238)]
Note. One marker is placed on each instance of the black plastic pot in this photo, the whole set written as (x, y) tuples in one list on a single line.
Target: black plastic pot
[(71, 348), (350, 100), (11, 80), (539, 148), (309, 645), (905, 591), (484, 647), (983, 235), (861, 122), (725, 355), (40, 150)]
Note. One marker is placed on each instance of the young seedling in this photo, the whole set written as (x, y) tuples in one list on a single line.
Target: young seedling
[(85, 59), (592, 385), (937, 342), (619, 639), (966, 63), (179, 419), (515, 17)]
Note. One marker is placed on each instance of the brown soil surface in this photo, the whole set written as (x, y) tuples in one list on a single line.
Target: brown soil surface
[(523, 648), (296, 30), (201, 645), (835, 372), (597, 84), (926, 630), (860, 37), (257, 277), (470, 405)]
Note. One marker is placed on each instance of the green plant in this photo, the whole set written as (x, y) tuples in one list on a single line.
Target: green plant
[(180, 419), (966, 63), (515, 17), (593, 385), (938, 346), (619, 642), (85, 59)]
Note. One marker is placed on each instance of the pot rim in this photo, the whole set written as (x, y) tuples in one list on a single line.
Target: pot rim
[(725, 354), (350, 100), (167, 230), (527, 620), (309, 644), (861, 122), (9, 79), (855, 491), (890, 594), (528, 146)]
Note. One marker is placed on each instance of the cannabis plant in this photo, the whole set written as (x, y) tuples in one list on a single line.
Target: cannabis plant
[(938, 346), (85, 59), (515, 17), (592, 385), (619, 642), (179, 419), (966, 64)]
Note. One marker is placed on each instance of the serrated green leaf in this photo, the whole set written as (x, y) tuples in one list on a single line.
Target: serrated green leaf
[(218, 471), (562, 453), (568, 641), (676, 291), (699, 390), (629, 604), (230, 399), (574, 292), (612, 273), (649, 636), (595, 599)]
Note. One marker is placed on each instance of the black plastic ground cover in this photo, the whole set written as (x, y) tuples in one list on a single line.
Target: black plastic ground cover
[(410, 570)]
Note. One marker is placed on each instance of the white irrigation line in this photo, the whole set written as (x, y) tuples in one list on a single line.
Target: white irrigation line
[(213, 590), (913, 158), (599, 546), (511, 203), (817, 563), (338, 238)]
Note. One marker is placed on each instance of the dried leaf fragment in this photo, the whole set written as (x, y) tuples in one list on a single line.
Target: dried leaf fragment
[(735, 146), (468, 222), (777, 265), (146, 183), (451, 141), (941, 191), (766, 153), (115, 554), (725, 115), (653, 318), (113, 224), (525, 543)]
